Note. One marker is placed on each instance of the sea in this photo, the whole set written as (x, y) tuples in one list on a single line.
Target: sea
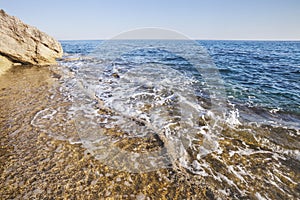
[(223, 112)]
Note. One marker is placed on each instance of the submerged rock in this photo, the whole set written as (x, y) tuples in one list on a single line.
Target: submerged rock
[(21, 43)]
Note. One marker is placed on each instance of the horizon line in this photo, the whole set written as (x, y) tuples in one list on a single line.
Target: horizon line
[(275, 40)]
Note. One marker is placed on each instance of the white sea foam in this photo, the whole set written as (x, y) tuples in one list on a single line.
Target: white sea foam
[(148, 99)]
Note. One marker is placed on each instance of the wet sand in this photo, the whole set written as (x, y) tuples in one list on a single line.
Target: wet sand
[(34, 164)]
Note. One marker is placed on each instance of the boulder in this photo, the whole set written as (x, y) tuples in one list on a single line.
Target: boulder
[(22, 43)]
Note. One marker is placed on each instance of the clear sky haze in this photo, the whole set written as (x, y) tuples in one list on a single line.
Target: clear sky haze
[(198, 19)]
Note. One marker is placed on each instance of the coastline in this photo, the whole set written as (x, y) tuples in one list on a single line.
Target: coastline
[(205, 111), (36, 164)]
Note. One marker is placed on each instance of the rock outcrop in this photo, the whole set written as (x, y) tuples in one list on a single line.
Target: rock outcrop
[(21, 43)]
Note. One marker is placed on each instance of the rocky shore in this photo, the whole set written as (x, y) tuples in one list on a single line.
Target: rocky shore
[(41, 158), (34, 165), (24, 44)]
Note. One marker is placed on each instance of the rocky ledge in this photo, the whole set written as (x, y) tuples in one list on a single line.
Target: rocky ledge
[(24, 44)]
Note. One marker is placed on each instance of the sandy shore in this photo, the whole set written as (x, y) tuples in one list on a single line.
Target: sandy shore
[(34, 164)]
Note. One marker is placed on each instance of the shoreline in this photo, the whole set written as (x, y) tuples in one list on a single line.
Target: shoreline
[(36, 164)]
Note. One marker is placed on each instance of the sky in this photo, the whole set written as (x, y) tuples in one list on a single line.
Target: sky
[(197, 19)]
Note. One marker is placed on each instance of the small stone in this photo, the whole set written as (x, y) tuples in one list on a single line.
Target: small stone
[(115, 75), (140, 196)]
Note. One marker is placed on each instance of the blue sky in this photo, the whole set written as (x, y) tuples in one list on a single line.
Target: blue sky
[(198, 19)]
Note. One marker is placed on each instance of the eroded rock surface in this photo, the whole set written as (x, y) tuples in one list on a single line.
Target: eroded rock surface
[(22, 43)]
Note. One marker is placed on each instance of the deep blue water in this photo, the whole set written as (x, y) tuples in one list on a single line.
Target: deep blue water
[(260, 77), (268, 72)]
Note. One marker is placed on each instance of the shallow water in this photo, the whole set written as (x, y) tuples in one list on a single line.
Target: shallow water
[(56, 132)]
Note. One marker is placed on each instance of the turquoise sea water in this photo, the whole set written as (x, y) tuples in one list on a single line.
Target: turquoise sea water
[(261, 78), (223, 114)]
